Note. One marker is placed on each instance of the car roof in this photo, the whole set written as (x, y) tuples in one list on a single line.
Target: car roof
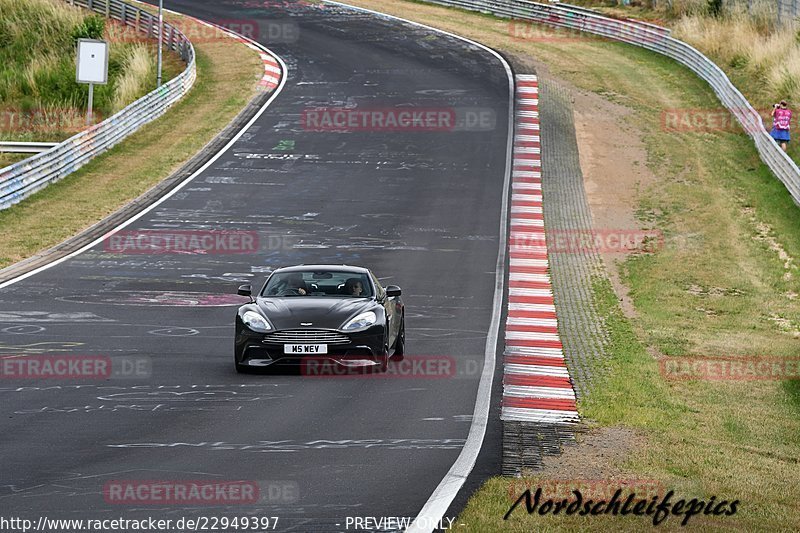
[(309, 268)]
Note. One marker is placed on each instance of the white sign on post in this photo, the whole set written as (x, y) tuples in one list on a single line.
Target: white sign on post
[(92, 61), (92, 67)]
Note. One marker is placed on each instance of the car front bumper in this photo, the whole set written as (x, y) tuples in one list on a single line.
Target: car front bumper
[(362, 348)]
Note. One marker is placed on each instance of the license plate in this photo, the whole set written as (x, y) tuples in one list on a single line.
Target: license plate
[(305, 349)]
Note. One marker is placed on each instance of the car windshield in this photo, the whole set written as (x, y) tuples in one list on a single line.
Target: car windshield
[(318, 283)]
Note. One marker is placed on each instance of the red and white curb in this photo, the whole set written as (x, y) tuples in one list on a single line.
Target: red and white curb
[(536, 382), (272, 69)]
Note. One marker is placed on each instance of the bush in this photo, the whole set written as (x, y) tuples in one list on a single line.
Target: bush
[(92, 27)]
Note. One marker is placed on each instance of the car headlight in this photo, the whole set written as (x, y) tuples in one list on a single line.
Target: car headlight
[(255, 321), (361, 321)]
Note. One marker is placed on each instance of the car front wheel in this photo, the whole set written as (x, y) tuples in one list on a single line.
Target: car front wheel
[(384, 364), (400, 342), (240, 368)]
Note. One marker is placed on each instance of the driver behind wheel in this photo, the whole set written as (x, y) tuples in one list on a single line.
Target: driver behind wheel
[(295, 281)]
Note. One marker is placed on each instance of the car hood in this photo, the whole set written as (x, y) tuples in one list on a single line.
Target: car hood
[(328, 313)]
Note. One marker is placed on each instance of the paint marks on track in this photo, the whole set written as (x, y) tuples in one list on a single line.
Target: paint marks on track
[(159, 298), (536, 384), (282, 446)]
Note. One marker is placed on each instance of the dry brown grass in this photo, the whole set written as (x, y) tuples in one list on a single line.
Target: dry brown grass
[(768, 55), (760, 55), (744, 39), (139, 69)]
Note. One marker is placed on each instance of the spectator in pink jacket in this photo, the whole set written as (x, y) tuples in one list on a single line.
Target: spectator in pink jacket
[(781, 121)]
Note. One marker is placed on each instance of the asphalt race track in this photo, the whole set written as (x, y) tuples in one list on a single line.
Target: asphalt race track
[(422, 209)]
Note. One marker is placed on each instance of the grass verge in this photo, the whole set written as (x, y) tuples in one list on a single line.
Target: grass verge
[(227, 77), (724, 284)]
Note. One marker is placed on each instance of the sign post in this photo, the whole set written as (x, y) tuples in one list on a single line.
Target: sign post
[(91, 68)]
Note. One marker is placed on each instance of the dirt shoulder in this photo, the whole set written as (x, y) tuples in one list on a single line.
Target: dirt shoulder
[(614, 165)]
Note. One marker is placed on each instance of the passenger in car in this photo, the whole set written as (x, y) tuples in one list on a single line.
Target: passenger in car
[(353, 287)]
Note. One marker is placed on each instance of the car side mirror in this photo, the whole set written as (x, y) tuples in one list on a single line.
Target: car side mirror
[(393, 290), (245, 290)]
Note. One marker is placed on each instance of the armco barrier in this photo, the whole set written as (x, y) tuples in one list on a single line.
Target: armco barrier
[(659, 40), (24, 178)]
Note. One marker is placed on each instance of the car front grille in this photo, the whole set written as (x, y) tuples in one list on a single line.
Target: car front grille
[(306, 336)]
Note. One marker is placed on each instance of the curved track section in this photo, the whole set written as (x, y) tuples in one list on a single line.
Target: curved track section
[(421, 206)]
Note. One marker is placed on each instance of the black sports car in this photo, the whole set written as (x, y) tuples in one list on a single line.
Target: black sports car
[(320, 315)]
